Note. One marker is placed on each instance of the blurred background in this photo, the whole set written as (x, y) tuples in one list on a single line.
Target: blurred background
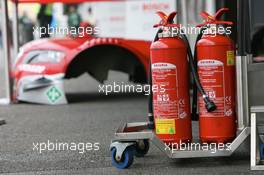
[(127, 19)]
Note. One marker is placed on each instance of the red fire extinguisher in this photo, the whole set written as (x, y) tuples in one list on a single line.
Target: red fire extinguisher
[(170, 84), (216, 70)]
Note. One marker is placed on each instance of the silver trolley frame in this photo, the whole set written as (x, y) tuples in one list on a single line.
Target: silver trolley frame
[(130, 133)]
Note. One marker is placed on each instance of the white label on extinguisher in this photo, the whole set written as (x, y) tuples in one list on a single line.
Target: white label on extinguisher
[(210, 63), (166, 103), (163, 66), (211, 75)]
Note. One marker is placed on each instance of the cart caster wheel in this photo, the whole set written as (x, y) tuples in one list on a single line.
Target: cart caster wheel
[(125, 161), (141, 148)]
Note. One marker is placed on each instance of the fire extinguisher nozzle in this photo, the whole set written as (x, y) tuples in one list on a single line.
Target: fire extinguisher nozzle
[(210, 106)]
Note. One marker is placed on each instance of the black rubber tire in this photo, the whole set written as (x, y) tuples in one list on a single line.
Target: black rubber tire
[(141, 148)]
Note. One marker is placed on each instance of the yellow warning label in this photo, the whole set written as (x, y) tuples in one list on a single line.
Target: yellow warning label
[(230, 58), (165, 126)]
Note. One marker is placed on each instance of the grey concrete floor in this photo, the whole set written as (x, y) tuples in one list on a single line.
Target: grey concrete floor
[(90, 117)]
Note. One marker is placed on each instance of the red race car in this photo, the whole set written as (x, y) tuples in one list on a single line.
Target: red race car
[(42, 65)]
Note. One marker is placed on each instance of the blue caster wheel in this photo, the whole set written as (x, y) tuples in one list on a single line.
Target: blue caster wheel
[(125, 161), (141, 148)]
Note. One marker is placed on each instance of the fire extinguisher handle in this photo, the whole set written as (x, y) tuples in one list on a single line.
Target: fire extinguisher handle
[(209, 19), (166, 20)]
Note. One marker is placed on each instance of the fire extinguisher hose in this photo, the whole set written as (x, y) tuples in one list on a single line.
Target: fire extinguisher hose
[(195, 115), (210, 105)]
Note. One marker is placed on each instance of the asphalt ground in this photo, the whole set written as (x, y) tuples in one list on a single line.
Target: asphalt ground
[(91, 117)]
